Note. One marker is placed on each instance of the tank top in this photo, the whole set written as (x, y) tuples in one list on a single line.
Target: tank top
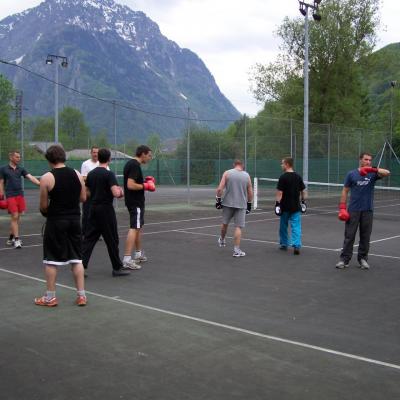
[(64, 197), (236, 189)]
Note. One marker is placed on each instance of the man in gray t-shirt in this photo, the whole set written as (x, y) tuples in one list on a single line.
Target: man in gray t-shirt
[(238, 194)]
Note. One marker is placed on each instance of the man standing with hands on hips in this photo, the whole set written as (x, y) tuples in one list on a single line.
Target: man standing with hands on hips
[(134, 187), (360, 183)]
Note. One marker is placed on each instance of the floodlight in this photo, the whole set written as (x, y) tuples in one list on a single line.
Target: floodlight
[(302, 10), (49, 60), (316, 17), (393, 83), (64, 63)]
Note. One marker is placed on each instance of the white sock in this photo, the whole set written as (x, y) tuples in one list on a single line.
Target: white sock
[(138, 253), (80, 293), (50, 294), (127, 258), (236, 249)]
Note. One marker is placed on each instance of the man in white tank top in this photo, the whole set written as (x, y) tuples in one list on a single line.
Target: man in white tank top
[(238, 194)]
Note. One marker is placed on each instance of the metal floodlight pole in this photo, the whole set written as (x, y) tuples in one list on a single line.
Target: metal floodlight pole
[(393, 85), (64, 63), (188, 157), (56, 108), (304, 8)]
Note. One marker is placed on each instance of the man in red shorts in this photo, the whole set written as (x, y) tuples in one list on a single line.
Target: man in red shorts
[(10, 183)]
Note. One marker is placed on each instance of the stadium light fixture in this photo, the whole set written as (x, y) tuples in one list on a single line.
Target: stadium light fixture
[(64, 63), (304, 8)]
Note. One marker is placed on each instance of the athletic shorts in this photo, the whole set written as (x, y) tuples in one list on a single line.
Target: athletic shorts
[(238, 215), (62, 242), (16, 204), (136, 215)]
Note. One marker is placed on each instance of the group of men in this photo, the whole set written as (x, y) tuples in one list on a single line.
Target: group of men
[(67, 241), (62, 189), (291, 204)]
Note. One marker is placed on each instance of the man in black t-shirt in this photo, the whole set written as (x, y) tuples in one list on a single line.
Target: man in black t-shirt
[(134, 187), (102, 187), (290, 191)]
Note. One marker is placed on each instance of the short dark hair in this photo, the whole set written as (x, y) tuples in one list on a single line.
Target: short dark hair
[(12, 152), (238, 162), (93, 147), (288, 161), (55, 154), (143, 149), (104, 155), (365, 153)]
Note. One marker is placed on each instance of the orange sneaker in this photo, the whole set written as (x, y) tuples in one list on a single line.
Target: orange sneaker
[(44, 301), (81, 301)]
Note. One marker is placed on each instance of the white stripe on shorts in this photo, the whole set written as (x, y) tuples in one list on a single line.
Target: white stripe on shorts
[(56, 263), (138, 218)]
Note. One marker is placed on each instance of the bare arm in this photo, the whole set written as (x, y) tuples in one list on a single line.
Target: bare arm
[(45, 185), (249, 191), (345, 192), (278, 196), (303, 195), (116, 191), (221, 186), (83, 196), (132, 185), (33, 179), (383, 173), (1, 187)]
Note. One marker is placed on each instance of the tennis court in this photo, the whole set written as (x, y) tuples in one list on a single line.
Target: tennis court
[(196, 323)]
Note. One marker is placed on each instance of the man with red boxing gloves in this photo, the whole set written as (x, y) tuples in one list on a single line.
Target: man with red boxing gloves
[(360, 183), (135, 186)]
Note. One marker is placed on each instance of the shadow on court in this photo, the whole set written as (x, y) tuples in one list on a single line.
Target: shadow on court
[(196, 323)]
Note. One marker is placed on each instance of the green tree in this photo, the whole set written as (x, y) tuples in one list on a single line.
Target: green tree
[(74, 133), (339, 45), (7, 138), (42, 129)]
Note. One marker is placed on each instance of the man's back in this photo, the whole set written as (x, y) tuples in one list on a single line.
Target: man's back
[(236, 188)]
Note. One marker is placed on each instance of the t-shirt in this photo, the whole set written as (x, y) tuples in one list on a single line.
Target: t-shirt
[(291, 184), (361, 190), (99, 181), (133, 170), (236, 189), (12, 180), (88, 166)]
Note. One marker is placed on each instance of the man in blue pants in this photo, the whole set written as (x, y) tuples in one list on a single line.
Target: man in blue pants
[(290, 192)]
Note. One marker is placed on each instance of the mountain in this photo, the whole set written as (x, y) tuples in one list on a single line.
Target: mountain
[(114, 53)]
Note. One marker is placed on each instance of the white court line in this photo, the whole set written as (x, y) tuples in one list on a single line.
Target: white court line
[(224, 326)]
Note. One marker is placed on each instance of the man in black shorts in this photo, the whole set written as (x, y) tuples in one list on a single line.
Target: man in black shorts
[(134, 187), (102, 187), (61, 191)]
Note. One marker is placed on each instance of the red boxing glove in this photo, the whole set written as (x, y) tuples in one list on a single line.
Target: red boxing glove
[(150, 186), (150, 178), (3, 204), (364, 171), (343, 213)]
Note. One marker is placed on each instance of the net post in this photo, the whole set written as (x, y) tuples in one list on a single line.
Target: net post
[(255, 188)]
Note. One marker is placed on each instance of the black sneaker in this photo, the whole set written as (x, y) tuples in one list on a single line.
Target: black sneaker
[(120, 272), (283, 248), (296, 251)]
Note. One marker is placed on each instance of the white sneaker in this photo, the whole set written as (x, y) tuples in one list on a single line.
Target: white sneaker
[(364, 264), (342, 265), (17, 244), (221, 242), (131, 265), (239, 253), (10, 242), (141, 258)]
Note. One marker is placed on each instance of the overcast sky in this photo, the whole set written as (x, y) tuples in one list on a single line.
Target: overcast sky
[(228, 35)]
